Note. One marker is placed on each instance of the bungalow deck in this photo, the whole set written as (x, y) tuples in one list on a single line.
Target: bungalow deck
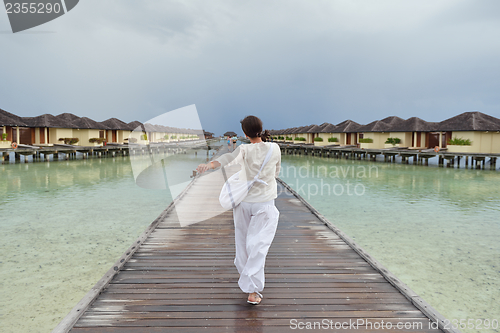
[(47, 153), (418, 156), (175, 279)]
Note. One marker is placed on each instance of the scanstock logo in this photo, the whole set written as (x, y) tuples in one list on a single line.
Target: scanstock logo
[(26, 14)]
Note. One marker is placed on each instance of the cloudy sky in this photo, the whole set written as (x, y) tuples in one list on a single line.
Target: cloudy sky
[(289, 62)]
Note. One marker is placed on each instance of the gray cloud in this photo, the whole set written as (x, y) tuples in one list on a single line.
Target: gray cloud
[(289, 62)]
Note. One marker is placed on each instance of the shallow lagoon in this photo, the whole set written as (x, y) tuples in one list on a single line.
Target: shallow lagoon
[(65, 223)]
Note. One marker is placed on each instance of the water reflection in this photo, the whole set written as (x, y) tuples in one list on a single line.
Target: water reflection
[(464, 189)]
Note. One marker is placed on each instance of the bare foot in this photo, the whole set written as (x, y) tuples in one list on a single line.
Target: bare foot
[(254, 298)]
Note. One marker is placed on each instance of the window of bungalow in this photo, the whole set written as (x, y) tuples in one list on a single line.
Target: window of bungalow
[(361, 135), (101, 134)]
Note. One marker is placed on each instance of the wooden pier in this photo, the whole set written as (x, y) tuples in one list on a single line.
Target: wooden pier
[(419, 157), (182, 279), (67, 152)]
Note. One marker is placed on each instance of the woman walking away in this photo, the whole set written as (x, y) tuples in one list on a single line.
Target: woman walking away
[(228, 142), (256, 217)]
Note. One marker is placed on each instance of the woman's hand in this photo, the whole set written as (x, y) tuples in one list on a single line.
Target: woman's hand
[(202, 168)]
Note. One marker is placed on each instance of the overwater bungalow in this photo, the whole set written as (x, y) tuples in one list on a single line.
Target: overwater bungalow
[(88, 130), (469, 132), (208, 135), (231, 134), (136, 131), (318, 135), (346, 132), (10, 128), (481, 130), (45, 129), (302, 134), (48, 130), (117, 132), (416, 133), (375, 134), (288, 134), (295, 133)]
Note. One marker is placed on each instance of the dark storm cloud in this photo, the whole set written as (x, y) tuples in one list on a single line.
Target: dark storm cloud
[(290, 62)]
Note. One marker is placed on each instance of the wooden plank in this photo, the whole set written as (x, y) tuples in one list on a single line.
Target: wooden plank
[(263, 314)]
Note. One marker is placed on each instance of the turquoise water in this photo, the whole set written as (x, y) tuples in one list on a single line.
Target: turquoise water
[(436, 229), (65, 223)]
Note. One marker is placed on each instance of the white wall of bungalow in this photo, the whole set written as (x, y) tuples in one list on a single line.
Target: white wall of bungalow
[(325, 137), (117, 136), (341, 139), (416, 140), (487, 142), (84, 135), (300, 135)]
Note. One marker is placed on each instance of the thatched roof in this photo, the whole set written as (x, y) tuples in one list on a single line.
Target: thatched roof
[(318, 128), (467, 121), (385, 125), (370, 127), (69, 118), (303, 129), (324, 126), (230, 134), (133, 125), (330, 128), (298, 129), (314, 129), (47, 120), (470, 121), (153, 128), (115, 124), (9, 119), (346, 127), (87, 123), (414, 124)]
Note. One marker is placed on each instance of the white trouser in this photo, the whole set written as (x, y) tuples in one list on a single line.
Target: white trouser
[(255, 225)]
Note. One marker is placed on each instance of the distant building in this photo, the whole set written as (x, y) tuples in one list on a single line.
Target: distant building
[(230, 134), (482, 130), (208, 135), (48, 130)]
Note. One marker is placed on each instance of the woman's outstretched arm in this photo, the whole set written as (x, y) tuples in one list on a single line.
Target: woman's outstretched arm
[(229, 158)]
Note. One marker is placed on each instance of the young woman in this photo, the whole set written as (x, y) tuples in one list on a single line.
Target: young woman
[(256, 218)]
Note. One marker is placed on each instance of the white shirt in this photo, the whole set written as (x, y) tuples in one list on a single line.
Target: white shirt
[(250, 157)]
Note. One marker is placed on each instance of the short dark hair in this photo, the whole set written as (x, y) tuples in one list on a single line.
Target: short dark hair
[(252, 127)]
